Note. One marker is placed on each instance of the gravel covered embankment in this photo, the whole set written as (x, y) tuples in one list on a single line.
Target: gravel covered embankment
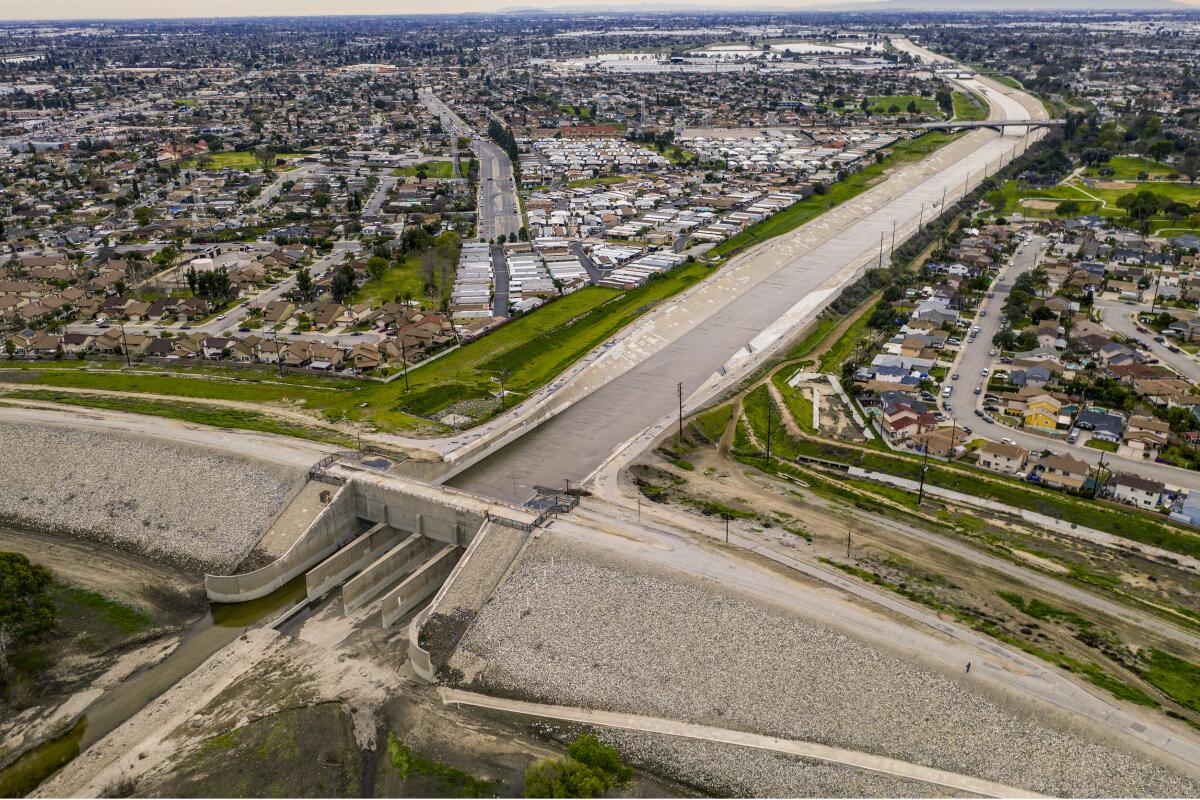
[(580, 632), (184, 505)]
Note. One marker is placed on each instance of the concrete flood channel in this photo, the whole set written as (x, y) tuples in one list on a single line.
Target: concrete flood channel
[(220, 625)]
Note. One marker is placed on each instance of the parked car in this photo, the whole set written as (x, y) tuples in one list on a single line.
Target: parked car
[(984, 372), (1007, 440), (954, 377)]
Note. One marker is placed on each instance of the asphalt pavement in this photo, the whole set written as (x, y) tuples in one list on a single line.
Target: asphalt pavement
[(500, 282)]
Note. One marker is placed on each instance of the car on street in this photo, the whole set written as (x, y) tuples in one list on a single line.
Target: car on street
[(978, 390), (992, 352), (984, 372), (1007, 440), (954, 377)]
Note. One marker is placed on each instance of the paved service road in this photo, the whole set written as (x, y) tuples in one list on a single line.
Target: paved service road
[(757, 301), (706, 733)]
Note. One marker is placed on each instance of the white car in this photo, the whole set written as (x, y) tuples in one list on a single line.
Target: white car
[(984, 372), (992, 352), (1007, 440)]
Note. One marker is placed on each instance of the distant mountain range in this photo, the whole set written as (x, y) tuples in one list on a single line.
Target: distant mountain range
[(873, 6)]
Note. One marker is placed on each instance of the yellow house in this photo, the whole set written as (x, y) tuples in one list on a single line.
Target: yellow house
[(1041, 412)]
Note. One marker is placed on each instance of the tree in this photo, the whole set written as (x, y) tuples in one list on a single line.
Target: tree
[(1068, 208), (142, 215), (265, 156), (1190, 167), (304, 283), (590, 770), (342, 285), (946, 101), (1161, 149), (376, 266), (26, 608)]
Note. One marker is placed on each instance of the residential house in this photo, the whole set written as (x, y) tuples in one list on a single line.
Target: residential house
[(1063, 472), (1041, 412), (1136, 490), (1002, 457)]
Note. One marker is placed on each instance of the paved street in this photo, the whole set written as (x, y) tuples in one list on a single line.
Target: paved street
[(498, 209), (374, 205), (231, 320), (1121, 317), (500, 278)]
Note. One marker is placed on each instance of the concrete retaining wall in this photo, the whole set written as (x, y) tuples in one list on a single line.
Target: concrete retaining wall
[(373, 581), (417, 587), (418, 656), (327, 575), (334, 526), (439, 521)]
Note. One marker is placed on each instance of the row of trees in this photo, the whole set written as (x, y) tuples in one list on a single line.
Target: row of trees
[(213, 285)]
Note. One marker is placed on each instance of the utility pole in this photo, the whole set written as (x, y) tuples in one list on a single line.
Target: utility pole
[(1154, 300), (124, 345), (921, 218), (892, 249), (770, 408), (726, 528), (404, 362), (943, 206), (278, 354), (1099, 475), (679, 388), (924, 467), (881, 248)]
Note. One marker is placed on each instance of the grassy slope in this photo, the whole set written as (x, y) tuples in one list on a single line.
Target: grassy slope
[(533, 348)]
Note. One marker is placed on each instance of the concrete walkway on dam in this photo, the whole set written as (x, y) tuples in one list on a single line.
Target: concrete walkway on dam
[(657, 725), (762, 297)]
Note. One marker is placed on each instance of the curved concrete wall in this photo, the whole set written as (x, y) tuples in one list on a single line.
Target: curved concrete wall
[(418, 656), (350, 559), (373, 581), (333, 527), (418, 586)]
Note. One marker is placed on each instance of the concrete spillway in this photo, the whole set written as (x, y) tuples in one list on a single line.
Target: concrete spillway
[(783, 285)]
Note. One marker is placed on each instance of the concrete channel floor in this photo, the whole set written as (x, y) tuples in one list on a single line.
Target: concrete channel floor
[(821, 255)]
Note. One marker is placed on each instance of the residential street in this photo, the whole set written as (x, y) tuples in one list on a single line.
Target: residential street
[(973, 358)]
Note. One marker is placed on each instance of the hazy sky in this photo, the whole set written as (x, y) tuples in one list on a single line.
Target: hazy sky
[(113, 9)]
